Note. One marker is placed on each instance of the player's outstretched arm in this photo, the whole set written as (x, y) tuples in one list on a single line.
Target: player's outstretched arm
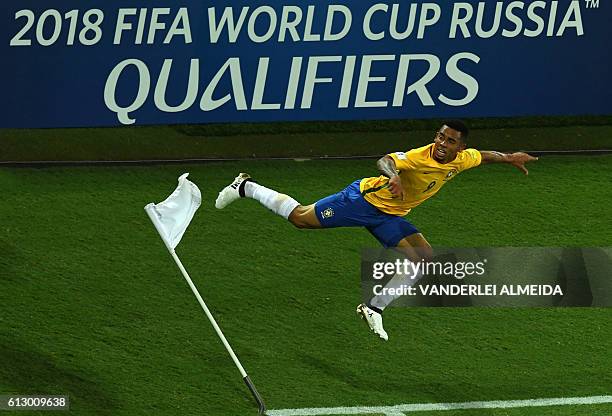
[(517, 159)]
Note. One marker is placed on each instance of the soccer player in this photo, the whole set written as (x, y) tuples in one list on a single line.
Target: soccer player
[(380, 203)]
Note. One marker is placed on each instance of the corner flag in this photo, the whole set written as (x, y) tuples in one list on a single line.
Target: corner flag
[(171, 218)]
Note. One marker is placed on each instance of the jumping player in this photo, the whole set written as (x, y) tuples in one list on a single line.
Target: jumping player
[(380, 203)]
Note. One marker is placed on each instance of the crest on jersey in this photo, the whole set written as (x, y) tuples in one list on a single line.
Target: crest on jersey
[(450, 174), (328, 213)]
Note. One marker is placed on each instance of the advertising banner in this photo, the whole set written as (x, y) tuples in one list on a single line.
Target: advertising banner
[(108, 63)]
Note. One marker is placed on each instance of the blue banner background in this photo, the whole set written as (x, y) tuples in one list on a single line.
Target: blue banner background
[(63, 86)]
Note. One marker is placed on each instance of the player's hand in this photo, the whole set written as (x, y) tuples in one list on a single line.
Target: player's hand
[(519, 159), (395, 186)]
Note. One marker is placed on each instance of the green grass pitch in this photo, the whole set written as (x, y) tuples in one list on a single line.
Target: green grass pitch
[(92, 305)]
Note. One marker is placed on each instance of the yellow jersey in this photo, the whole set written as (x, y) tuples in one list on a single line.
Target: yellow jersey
[(422, 177)]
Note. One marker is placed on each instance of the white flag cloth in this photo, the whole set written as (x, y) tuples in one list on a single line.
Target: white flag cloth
[(172, 216)]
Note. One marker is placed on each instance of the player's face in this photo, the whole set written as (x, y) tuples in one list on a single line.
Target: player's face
[(447, 144)]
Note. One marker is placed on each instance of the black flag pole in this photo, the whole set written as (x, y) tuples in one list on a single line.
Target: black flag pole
[(256, 395)]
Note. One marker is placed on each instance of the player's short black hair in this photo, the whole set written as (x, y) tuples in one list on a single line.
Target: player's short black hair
[(459, 126)]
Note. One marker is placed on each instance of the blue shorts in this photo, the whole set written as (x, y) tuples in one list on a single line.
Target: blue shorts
[(348, 208)]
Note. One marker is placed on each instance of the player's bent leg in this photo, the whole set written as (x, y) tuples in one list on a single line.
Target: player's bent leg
[(416, 248), (304, 217)]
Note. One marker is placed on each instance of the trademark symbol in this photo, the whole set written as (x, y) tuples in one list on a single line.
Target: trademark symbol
[(592, 4)]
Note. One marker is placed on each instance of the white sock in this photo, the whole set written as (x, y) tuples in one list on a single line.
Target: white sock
[(278, 203), (398, 281)]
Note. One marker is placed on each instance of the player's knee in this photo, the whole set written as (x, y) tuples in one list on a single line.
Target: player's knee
[(417, 253), (426, 252), (304, 217), (297, 217), (423, 252)]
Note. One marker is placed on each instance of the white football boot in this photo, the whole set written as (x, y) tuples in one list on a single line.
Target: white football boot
[(374, 320), (232, 192)]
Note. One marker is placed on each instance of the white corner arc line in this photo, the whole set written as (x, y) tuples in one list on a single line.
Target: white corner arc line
[(398, 410)]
